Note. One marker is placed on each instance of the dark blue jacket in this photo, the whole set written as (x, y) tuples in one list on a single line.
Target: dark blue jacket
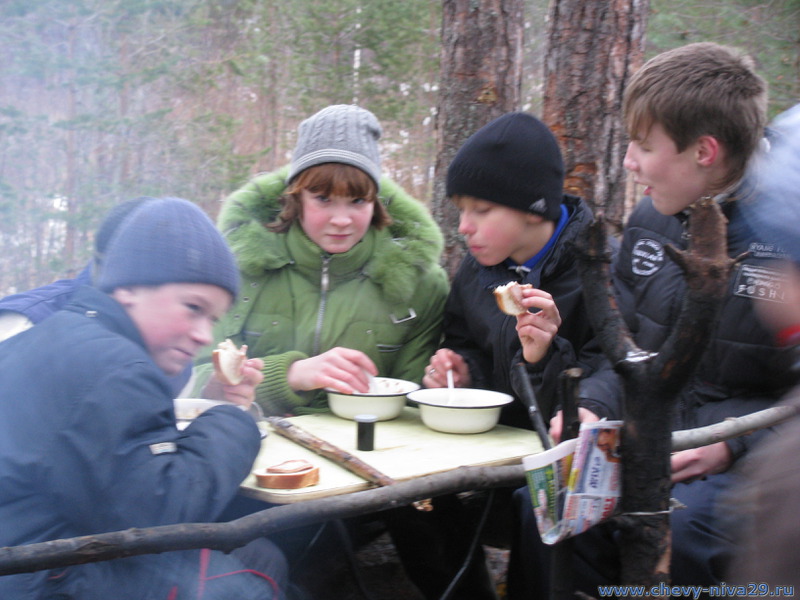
[(88, 443), (741, 371), (39, 303)]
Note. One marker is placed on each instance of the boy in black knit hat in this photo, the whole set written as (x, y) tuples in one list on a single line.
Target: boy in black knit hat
[(507, 182)]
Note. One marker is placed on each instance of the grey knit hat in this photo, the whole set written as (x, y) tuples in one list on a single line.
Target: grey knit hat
[(168, 240), (342, 133), (513, 160)]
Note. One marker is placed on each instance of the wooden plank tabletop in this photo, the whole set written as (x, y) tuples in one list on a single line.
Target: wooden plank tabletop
[(404, 449)]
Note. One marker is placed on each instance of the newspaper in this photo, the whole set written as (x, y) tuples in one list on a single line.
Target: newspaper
[(576, 484)]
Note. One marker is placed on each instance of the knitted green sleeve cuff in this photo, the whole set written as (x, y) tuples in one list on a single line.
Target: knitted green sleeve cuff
[(274, 395)]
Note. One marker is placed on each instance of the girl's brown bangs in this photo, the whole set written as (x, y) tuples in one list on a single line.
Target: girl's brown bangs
[(336, 179)]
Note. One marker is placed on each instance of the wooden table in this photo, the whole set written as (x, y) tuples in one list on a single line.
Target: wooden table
[(404, 449)]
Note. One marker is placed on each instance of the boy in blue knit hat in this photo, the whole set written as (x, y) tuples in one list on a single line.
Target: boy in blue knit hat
[(88, 437), (23, 310)]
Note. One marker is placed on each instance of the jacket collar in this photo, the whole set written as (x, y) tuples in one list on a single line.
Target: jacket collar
[(309, 258), (393, 257), (94, 304)]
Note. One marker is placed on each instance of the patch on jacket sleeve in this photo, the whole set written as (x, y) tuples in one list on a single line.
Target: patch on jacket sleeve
[(647, 257), (760, 283), (767, 250), (164, 448)]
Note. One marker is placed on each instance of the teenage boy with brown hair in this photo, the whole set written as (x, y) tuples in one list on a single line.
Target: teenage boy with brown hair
[(695, 116)]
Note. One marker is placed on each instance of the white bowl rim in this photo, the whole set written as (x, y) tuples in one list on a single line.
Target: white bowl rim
[(418, 396), (206, 403), (413, 387)]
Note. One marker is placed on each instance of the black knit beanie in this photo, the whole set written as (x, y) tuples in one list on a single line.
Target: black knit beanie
[(514, 161)]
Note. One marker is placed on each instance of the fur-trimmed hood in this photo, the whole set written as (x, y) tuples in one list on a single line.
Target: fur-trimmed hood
[(412, 244)]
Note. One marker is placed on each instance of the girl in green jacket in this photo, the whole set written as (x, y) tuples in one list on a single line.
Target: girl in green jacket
[(340, 269)]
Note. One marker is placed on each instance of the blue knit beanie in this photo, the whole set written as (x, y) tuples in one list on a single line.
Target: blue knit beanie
[(514, 161), (342, 133), (168, 240)]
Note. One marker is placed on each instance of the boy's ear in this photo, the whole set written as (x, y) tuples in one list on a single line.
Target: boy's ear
[(123, 295), (708, 150), (533, 219)]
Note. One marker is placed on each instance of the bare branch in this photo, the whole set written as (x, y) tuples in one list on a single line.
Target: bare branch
[(228, 536), (731, 428)]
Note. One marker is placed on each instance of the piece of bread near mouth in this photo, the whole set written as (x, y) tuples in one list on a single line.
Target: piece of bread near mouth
[(509, 298), (229, 362)]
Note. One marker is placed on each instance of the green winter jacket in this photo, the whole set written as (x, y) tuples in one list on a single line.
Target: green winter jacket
[(385, 296)]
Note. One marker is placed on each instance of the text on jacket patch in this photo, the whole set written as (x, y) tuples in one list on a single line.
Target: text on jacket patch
[(760, 283), (647, 257)]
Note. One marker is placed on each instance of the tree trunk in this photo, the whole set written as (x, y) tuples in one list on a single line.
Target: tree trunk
[(593, 48), (481, 76), (652, 382)]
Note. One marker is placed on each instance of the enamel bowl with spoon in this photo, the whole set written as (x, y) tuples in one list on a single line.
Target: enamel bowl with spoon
[(459, 410), (385, 399)]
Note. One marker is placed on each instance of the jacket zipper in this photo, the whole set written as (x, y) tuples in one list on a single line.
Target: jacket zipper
[(324, 284)]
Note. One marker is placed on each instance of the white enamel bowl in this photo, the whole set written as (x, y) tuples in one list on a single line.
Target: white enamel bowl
[(188, 409), (385, 400), (467, 411)]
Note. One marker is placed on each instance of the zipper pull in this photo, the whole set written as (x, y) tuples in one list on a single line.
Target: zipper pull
[(325, 278)]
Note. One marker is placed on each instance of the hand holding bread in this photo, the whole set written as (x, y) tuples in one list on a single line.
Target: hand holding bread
[(538, 325), (235, 376)]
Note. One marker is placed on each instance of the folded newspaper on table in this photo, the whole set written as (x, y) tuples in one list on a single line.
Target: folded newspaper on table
[(576, 484)]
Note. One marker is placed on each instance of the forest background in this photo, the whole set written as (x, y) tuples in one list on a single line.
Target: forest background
[(106, 100)]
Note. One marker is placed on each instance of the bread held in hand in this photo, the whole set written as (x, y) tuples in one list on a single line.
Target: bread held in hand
[(509, 298), (229, 362)]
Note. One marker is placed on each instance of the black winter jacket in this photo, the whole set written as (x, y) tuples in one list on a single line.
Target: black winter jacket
[(487, 339), (741, 371)]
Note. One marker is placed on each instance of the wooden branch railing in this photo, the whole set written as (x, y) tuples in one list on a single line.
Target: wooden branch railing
[(234, 534), (237, 533)]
